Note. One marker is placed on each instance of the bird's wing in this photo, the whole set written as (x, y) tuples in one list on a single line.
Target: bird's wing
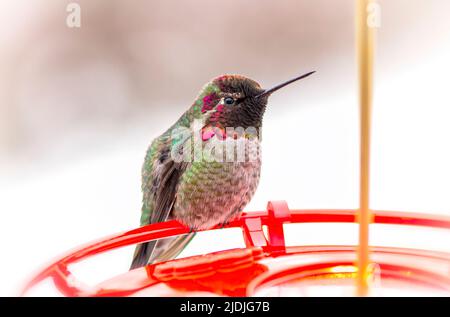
[(160, 177)]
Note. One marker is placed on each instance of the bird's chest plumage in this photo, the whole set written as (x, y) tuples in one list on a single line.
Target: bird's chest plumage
[(210, 193)]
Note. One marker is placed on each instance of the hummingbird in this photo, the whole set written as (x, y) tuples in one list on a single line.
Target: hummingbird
[(202, 193)]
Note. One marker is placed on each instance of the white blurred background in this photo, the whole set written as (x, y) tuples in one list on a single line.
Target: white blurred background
[(79, 106)]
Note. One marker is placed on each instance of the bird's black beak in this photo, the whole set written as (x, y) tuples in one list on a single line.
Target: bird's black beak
[(267, 92)]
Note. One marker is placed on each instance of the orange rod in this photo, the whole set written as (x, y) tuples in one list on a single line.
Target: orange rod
[(365, 48)]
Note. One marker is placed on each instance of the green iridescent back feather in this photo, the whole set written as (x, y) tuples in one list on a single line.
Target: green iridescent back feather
[(163, 142)]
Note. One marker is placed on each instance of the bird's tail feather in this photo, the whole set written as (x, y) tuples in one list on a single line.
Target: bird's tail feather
[(160, 250)]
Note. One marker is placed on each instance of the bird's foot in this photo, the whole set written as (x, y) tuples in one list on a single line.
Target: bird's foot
[(225, 223)]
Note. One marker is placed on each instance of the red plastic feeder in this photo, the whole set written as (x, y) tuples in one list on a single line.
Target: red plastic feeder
[(266, 267)]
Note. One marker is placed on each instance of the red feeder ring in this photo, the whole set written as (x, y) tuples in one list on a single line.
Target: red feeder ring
[(262, 266)]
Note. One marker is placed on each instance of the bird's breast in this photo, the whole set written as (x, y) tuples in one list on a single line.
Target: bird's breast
[(211, 192)]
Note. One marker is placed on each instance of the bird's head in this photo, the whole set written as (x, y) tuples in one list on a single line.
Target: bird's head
[(234, 101)]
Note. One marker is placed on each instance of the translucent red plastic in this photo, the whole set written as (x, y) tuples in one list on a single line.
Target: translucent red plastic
[(241, 272)]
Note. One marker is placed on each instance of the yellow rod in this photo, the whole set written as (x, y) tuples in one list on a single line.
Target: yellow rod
[(365, 52)]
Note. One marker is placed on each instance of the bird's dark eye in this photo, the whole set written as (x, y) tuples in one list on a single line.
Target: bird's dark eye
[(229, 101)]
